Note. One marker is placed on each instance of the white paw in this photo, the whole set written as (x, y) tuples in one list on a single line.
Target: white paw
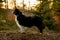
[(21, 31)]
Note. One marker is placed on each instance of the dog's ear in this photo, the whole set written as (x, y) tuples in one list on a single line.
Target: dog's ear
[(17, 12)]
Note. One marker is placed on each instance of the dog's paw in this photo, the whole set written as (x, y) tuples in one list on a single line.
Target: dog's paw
[(21, 31)]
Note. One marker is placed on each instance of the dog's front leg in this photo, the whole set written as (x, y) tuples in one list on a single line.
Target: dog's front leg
[(20, 27)]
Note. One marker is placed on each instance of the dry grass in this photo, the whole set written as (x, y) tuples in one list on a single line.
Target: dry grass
[(15, 35)]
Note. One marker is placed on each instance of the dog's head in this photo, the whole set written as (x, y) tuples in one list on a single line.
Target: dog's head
[(17, 12)]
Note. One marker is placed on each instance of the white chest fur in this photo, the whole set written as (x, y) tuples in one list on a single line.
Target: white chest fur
[(21, 27)]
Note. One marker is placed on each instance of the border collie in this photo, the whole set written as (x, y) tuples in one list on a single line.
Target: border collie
[(30, 21)]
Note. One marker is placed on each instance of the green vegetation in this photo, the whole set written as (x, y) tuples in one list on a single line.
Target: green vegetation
[(6, 24), (44, 10)]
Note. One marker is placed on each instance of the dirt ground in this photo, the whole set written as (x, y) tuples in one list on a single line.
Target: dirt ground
[(15, 35)]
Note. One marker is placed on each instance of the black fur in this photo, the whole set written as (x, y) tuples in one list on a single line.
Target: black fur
[(29, 21)]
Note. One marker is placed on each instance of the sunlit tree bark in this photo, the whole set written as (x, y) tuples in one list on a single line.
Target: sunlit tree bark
[(23, 3)]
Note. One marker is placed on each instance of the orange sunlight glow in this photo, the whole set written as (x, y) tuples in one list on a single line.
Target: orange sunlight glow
[(28, 3), (4, 4), (19, 3), (11, 4)]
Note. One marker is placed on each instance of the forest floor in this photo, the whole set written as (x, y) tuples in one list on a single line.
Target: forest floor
[(16, 35)]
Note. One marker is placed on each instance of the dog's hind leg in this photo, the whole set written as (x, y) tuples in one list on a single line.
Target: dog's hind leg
[(40, 29)]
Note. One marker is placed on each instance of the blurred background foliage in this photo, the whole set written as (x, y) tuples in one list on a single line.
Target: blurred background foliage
[(49, 14), (49, 10), (5, 23)]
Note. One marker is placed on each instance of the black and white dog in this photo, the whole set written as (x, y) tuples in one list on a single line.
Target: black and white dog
[(23, 20)]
